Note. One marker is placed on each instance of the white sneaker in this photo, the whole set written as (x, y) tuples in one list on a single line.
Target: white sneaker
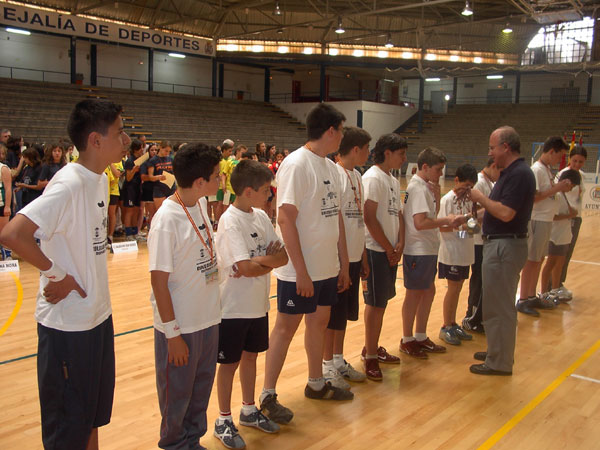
[(333, 376), (140, 238), (350, 373), (563, 294)]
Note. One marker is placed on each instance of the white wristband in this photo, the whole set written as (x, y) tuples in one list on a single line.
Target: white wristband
[(171, 329), (55, 273)]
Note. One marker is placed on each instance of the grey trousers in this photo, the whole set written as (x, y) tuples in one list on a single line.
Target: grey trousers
[(503, 260), (183, 392)]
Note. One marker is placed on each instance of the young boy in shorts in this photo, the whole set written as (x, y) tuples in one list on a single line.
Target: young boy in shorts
[(185, 298), (310, 223), (248, 249), (457, 251), (353, 152), (540, 226), (76, 360), (384, 243), (421, 207)]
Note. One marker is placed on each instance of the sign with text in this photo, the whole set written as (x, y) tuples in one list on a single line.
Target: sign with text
[(9, 266), (124, 247), (591, 198), (17, 16)]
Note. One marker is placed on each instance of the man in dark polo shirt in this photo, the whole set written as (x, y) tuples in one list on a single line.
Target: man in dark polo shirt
[(507, 212)]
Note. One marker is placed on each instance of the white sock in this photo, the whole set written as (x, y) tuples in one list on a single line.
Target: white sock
[(223, 417), (249, 409), (328, 364), (338, 361), (407, 339), (420, 336), (316, 384), (264, 394)]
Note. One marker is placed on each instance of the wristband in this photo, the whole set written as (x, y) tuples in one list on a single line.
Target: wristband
[(55, 273), (171, 329)]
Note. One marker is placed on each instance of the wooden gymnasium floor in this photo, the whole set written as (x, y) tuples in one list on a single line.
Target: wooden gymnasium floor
[(552, 401)]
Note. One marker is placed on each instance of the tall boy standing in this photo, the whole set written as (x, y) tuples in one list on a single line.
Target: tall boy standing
[(76, 361), (185, 298)]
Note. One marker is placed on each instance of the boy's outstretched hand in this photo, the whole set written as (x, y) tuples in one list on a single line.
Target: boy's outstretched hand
[(54, 292)]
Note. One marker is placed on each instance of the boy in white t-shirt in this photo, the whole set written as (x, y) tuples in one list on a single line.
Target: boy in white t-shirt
[(560, 238), (540, 226), (76, 360), (353, 152), (312, 229), (185, 298), (247, 250), (457, 251), (419, 264), (384, 242)]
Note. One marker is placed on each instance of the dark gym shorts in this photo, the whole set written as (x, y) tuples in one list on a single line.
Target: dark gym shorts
[(381, 283), (161, 190), (113, 200), (147, 192), (76, 382), (237, 335), (132, 196), (453, 273), (558, 250), (346, 307), (291, 303), (419, 271)]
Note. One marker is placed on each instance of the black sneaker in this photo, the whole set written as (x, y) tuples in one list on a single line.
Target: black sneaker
[(275, 410), (328, 392), (525, 306)]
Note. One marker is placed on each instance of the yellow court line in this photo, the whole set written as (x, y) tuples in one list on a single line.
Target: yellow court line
[(17, 307), (538, 399)]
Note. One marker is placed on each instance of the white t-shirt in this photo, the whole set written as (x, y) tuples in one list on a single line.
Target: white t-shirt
[(545, 210), (561, 229), (419, 199), (384, 189), (455, 251), (72, 215), (575, 195), (353, 194), (484, 186), (174, 247), (242, 236), (311, 183)]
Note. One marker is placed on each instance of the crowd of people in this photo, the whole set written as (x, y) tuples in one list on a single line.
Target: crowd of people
[(212, 247)]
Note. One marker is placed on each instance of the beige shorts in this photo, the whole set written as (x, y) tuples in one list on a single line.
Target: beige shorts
[(537, 243)]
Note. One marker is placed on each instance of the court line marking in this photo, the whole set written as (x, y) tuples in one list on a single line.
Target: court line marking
[(493, 439), (17, 307), (586, 262), (581, 377)]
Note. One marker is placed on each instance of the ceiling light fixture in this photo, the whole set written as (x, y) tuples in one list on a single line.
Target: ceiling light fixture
[(308, 50), (432, 79), (389, 43), (18, 31), (494, 77), (382, 54), (277, 11), (340, 28), (177, 55), (454, 58), (507, 29), (358, 53), (467, 11), (334, 51), (478, 60), (283, 49)]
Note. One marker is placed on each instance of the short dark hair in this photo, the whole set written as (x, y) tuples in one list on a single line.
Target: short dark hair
[(32, 155), (578, 150), (390, 142), (508, 135), (353, 137), (249, 173), (430, 156), (248, 154), (555, 143), (320, 119), (466, 172), (194, 161), (572, 175), (88, 116), (136, 144)]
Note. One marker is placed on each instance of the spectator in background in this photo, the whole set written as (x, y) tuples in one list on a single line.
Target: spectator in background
[(5, 134), (5, 197), (30, 176), (54, 160), (261, 149)]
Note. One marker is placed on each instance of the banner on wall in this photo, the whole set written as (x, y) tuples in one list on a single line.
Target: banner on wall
[(17, 16), (591, 198)]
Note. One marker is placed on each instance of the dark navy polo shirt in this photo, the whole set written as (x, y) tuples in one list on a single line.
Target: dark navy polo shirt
[(516, 189)]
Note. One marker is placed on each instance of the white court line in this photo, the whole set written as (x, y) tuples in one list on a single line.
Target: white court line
[(586, 262), (581, 377)]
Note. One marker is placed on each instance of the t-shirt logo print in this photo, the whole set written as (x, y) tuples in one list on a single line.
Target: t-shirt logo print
[(260, 244), (392, 203), (329, 206)]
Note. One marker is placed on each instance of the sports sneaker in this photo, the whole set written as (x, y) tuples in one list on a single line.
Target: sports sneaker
[(413, 348), (130, 238), (563, 294), (382, 356), (429, 346), (350, 373), (461, 334), (275, 410), (332, 376), (477, 328), (228, 434), (258, 420), (372, 369), (448, 335), (544, 301), (328, 392)]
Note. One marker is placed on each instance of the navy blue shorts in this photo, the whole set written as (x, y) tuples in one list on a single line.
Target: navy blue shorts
[(131, 196), (453, 273), (291, 303), (381, 283), (238, 335), (419, 271), (76, 382), (346, 307)]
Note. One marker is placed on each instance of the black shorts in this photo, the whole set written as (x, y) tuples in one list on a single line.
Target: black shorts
[(161, 190), (131, 196), (237, 335), (114, 200), (381, 283), (147, 192), (419, 271), (346, 307), (76, 382), (453, 273), (291, 303)]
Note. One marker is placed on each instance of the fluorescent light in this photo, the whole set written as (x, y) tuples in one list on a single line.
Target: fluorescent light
[(18, 31), (477, 60), (467, 11), (500, 61), (430, 57), (308, 50), (454, 58), (231, 47), (495, 77), (382, 54), (358, 53), (388, 80), (334, 51), (447, 97), (407, 55), (176, 55), (258, 48), (507, 30), (432, 79), (282, 49)]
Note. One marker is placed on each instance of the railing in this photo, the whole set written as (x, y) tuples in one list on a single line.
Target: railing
[(335, 96), (22, 73), (537, 99)]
